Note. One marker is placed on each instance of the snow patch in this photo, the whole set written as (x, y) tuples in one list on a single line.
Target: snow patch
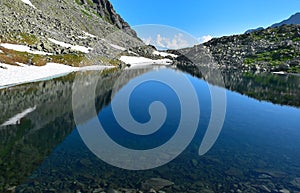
[(118, 47), (28, 3), (17, 118), (1, 52), (14, 75), (88, 34), (82, 37), (22, 48), (142, 61), (279, 73), (164, 54), (76, 47)]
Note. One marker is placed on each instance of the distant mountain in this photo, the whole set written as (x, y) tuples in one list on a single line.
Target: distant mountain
[(294, 19), (252, 30)]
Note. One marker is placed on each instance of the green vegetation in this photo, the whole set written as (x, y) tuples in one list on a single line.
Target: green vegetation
[(90, 3), (75, 60), (274, 57), (288, 32), (78, 2), (12, 57), (113, 62), (295, 69), (86, 13), (296, 39), (19, 38)]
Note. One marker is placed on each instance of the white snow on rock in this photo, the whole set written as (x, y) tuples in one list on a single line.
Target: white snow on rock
[(76, 47), (22, 48), (164, 54), (134, 61), (17, 118), (28, 3), (279, 73), (14, 75), (118, 47), (1, 52), (82, 37), (88, 34)]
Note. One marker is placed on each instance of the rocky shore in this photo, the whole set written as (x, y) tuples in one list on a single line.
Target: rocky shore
[(267, 50)]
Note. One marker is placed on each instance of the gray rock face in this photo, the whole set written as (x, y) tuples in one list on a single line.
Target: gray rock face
[(105, 9), (87, 23)]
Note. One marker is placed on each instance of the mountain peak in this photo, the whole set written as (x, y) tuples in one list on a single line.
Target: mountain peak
[(294, 19)]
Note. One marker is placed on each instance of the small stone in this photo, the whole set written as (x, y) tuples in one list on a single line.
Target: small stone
[(112, 191), (98, 190), (284, 191), (296, 182), (152, 190), (156, 184), (194, 162)]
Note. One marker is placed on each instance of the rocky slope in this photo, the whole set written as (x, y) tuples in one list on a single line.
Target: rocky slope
[(44, 25), (272, 49)]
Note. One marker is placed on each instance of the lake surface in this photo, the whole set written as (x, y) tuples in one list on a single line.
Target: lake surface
[(258, 149)]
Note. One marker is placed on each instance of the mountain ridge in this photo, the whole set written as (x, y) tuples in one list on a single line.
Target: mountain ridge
[(294, 19)]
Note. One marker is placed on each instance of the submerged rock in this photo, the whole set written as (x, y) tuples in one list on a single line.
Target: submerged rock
[(156, 184), (296, 183)]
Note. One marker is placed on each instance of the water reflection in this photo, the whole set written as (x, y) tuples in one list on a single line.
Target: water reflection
[(257, 150)]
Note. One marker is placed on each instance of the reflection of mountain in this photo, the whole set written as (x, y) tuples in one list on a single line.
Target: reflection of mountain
[(278, 89), (25, 145), (283, 90)]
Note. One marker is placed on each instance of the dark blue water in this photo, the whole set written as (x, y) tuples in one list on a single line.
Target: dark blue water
[(258, 149)]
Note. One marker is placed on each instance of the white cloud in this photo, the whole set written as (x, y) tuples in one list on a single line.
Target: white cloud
[(176, 42), (147, 40), (204, 39)]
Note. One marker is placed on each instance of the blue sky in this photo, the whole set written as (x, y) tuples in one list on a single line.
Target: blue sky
[(207, 17)]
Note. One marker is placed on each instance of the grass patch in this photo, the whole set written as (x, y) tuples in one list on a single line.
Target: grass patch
[(274, 57), (90, 3), (69, 59), (295, 69), (296, 39), (12, 57), (20, 38), (86, 13), (113, 62), (78, 2)]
